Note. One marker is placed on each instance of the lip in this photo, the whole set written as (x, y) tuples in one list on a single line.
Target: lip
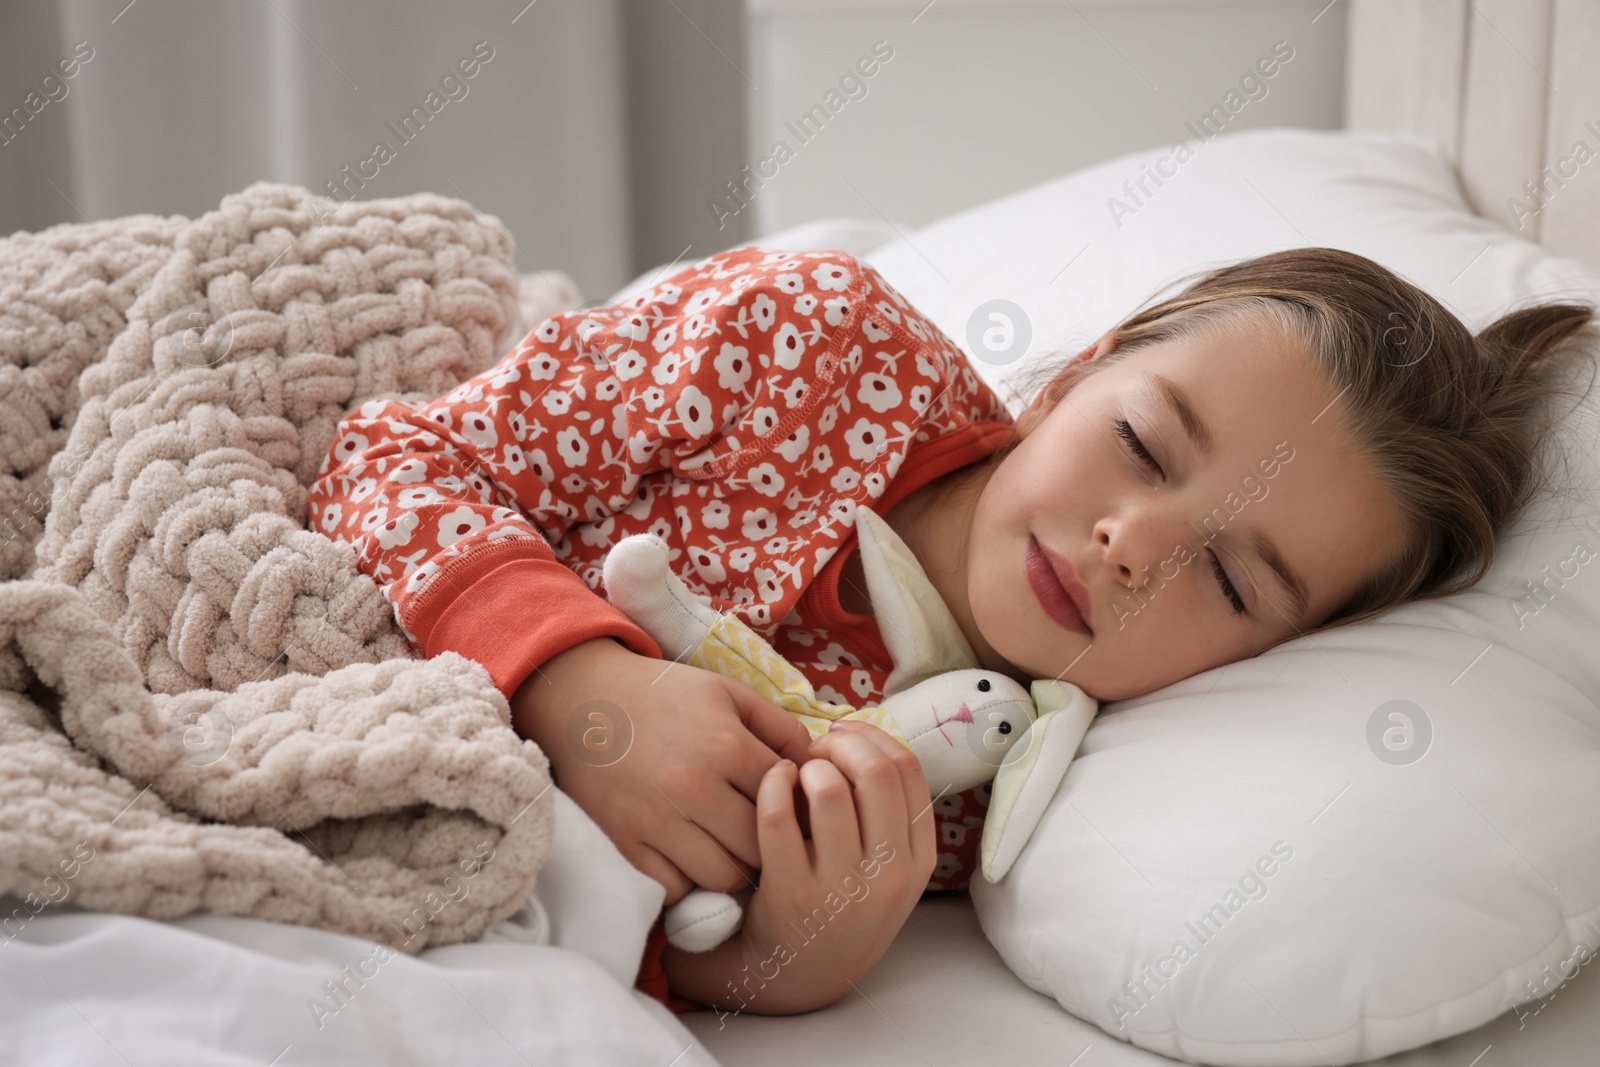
[(1055, 582)]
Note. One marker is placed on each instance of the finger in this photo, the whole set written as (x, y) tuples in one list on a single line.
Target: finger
[(923, 830), (834, 828), (783, 849), (912, 778), (775, 728), (662, 870), (702, 860), (730, 817), (880, 797)]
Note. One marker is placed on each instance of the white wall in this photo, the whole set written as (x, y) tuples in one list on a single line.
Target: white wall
[(984, 97)]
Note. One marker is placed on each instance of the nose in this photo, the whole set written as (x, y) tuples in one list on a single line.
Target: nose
[(1131, 543)]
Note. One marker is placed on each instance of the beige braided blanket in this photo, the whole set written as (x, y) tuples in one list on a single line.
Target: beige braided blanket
[(204, 706)]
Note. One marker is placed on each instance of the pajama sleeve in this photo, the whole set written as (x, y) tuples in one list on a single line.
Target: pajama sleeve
[(452, 505)]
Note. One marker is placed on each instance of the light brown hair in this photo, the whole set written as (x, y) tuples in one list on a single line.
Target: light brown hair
[(1454, 424)]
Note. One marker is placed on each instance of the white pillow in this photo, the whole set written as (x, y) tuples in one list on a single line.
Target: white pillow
[(1359, 907)]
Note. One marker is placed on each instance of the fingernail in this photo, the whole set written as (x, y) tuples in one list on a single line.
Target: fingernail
[(835, 725), (784, 763)]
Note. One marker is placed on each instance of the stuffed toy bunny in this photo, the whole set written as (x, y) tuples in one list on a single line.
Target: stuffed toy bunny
[(965, 725)]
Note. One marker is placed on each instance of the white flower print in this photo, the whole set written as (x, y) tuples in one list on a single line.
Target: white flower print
[(641, 447), (829, 695), (845, 479), (776, 546), (665, 337), (829, 416), (701, 301), (793, 393), (363, 489), (597, 534), (629, 365), (765, 479), (861, 682), (715, 515), (787, 346), (834, 655), (821, 459), (831, 278), (462, 522), (349, 445), (634, 328), (653, 397), (417, 496), (539, 464), (790, 283), (668, 294), (548, 330), (741, 558), (330, 516), (571, 447), (841, 509), (574, 483), (398, 530), (543, 367), (450, 483), (557, 402), (802, 518), (795, 445), (733, 367), (695, 326), (878, 391), (694, 408), (374, 519), (443, 417), (708, 565), (921, 395), (767, 585), (420, 576), (866, 440), (759, 616), (666, 371), (505, 378), (762, 420), (408, 472), (662, 530), (607, 389), (801, 637), (514, 461), (479, 431), (744, 594), (833, 309), (874, 483), (805, 303), (764, 311), (890, 312), (758, 523)]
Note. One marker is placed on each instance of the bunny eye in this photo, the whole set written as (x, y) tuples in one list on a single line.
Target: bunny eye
[(1005, 727), (983, 685)]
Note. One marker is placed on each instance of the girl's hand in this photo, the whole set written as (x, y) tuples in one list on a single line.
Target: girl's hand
[(826, 910), (666, 758)]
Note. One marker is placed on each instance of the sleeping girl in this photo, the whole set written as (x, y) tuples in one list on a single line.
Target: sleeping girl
[(1297, 441)]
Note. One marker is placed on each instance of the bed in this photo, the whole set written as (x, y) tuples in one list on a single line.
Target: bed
[(1457, 118)]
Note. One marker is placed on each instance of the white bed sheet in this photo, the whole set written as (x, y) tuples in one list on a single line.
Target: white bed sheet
[(550, 985), (943, 996)]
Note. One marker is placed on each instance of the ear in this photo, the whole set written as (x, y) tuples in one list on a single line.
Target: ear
[(1029, 418), (920, 634), (1032, 771)]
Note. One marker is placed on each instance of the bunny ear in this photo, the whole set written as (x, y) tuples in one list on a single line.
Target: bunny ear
[(1032, 772), (921, 635)]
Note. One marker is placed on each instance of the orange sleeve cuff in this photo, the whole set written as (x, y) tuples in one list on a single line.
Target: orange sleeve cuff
[(511, 610)]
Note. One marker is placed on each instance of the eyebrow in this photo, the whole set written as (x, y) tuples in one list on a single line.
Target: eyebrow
[(1199, 434), (1173, 395)]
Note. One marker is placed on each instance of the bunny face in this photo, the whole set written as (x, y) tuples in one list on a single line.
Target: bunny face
[(961, 724)]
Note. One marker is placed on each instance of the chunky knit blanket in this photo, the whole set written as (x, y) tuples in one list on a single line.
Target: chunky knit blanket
[(204, 705)]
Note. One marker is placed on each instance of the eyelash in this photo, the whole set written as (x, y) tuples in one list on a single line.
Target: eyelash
[(1124, 430)]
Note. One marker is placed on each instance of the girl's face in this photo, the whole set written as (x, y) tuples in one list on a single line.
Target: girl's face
[(1146, 537)]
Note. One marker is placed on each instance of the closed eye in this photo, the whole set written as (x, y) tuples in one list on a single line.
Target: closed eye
[(1125, 431)]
